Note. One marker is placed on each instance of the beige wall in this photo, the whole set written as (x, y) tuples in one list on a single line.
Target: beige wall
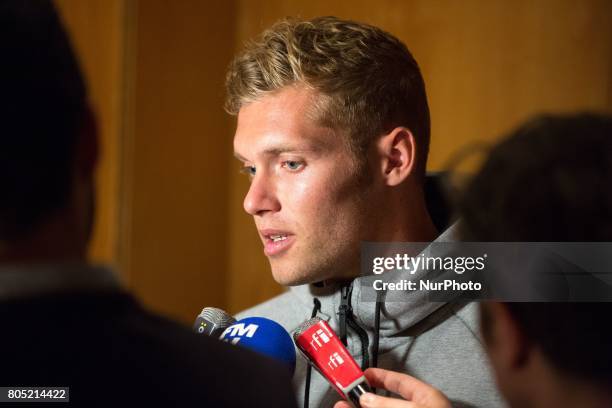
[(177, 170), (98, 35), (170, 193), (488, 65)]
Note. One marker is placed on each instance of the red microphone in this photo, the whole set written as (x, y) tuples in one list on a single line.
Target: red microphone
[(321, 347)]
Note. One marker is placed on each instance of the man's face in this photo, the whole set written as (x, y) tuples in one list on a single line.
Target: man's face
[(306, 198)]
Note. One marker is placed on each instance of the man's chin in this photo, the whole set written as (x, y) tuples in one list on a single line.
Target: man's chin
[(292, 278), (285, 280)]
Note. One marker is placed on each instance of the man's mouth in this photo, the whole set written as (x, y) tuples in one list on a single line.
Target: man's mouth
[(276, 242)]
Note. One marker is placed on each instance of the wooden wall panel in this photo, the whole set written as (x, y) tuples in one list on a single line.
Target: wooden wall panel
[(96, 28), (169, 193), (176, 169), (488, 65)]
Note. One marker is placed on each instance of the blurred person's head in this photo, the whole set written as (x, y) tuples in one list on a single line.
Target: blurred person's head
[(333, 129), (47, 138), (550, 182)]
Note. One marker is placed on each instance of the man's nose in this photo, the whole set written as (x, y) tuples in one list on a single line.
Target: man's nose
[(261, 196)]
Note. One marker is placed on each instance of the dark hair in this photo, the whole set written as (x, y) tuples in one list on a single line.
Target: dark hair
[(550, 181), (42, 105)]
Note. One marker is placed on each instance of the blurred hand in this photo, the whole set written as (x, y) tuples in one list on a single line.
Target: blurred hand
[(416, 394)]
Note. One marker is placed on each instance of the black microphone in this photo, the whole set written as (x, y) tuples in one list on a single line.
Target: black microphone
[(212, 322)]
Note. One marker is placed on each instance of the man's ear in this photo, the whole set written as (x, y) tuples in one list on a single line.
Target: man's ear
[(507, 345), (87, 149), (397, 153)]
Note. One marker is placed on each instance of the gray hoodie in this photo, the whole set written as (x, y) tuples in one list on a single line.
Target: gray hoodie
[(438, 343)]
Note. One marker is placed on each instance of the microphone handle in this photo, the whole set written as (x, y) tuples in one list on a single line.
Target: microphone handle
[(357, 391)]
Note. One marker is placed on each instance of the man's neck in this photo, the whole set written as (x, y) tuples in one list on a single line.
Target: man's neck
[(411, 222), (552, 388), (574, 395), (414, 224)]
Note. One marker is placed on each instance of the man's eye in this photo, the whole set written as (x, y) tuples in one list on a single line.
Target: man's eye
[(293, 165), (248, 170)]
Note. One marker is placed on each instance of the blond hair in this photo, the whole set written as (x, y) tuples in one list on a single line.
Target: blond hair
[(368, 80)]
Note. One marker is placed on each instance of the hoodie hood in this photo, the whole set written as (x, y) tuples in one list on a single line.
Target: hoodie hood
[(400, 311)]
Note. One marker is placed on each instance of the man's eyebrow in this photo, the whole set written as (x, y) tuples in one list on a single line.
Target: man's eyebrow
[(239, 157), (276, 151)]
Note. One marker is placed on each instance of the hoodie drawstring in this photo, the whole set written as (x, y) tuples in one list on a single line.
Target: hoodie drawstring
[(376, 330), (346, 317), (376, 334), (315, 310)]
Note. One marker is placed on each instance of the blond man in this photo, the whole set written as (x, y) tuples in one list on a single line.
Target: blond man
[(333, 131)]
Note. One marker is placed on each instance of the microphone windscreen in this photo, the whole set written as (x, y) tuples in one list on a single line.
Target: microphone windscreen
[(263, 336), (212, 321)]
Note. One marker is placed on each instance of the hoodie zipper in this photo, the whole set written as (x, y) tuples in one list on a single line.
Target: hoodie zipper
[(344, 311)]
